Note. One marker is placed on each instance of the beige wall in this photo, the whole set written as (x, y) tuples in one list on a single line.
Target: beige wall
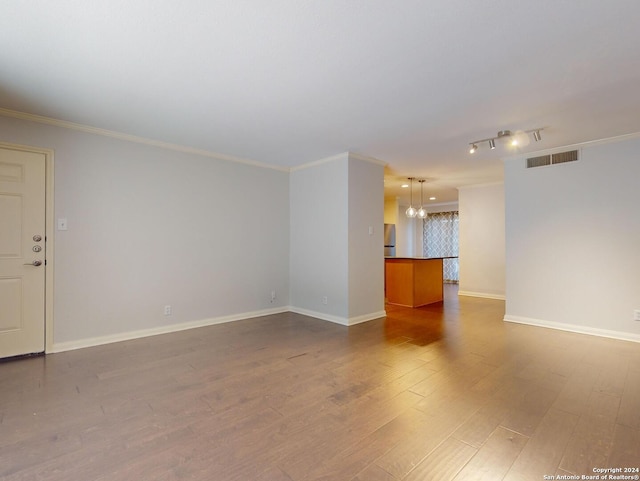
[(390, 210)]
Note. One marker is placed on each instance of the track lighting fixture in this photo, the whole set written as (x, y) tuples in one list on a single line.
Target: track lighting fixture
[(514, 139)]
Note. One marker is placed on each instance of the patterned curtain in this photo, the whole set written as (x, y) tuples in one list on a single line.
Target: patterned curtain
[(441, 240)]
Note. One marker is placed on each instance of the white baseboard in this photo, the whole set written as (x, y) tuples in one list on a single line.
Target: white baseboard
[(592, 331), (367, 317), (486, 295), (343, 321), (154, 331)]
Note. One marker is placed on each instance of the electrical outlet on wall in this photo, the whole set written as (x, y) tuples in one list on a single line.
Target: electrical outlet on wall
[(167, 310), (636, 315), (273, 295), (325, 300)]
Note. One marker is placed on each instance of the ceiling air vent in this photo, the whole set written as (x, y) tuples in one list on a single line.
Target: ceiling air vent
[(538, 161), (558, 158), (569, 156)]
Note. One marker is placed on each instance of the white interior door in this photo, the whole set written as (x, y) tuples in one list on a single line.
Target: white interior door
[(22, 252)]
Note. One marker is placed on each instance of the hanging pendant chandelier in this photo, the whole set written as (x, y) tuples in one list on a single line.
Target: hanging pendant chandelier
[(422, 212), (411, 211)]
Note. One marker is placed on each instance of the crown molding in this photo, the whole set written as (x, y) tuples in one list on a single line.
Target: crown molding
[(485, 184), (134, 138), (454, 203), (581, 145), (65, 124), (341, 156), (326, 160), (366, 158)]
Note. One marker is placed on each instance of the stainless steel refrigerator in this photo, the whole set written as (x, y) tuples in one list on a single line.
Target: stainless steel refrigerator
[(389, 240)]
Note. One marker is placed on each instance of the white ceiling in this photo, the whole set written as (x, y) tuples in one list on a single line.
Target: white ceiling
[(286, 82)]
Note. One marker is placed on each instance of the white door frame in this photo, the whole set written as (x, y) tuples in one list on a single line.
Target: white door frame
[(49, 233)]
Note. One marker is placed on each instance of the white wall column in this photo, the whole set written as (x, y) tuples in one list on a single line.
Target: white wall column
[(482, 244), (337, 245)]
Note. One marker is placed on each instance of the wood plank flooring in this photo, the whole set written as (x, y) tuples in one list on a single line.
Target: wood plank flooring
[(444, 392)]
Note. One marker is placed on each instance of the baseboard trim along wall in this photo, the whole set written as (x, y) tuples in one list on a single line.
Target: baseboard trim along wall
[(367, 317), (320, 315), (183, 326), (343, 321), (591, 331), (128, 336), (486, 295)]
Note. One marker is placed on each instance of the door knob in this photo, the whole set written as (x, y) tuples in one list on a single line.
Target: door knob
[(34, 263)]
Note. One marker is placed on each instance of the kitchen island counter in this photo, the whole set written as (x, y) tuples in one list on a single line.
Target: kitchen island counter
[(413, 281)]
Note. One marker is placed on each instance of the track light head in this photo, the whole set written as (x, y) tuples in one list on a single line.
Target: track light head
[(536, 136), (492, 144), (473, 148)]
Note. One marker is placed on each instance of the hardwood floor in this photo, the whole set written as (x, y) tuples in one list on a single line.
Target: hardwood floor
[(443, 392)]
